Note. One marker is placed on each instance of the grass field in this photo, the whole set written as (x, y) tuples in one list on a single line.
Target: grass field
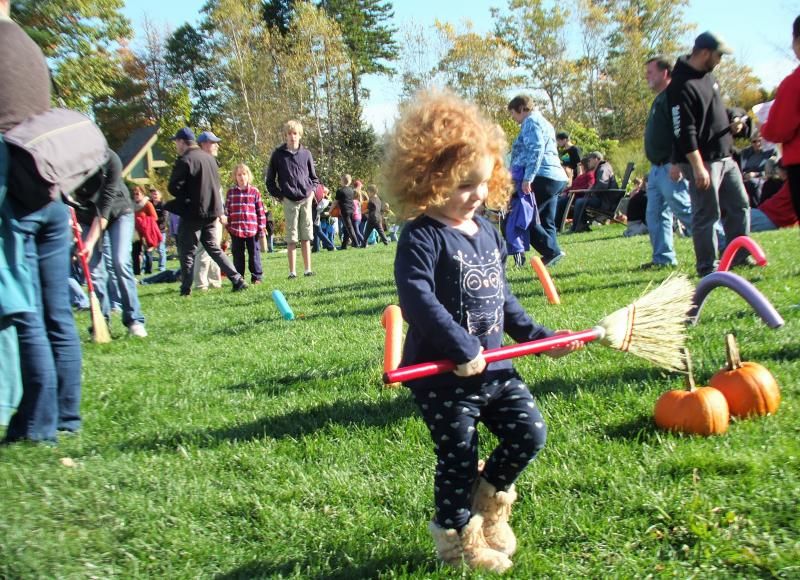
[(234, 444)]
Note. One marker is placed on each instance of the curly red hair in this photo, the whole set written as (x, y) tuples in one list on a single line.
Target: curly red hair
[(434, 145)]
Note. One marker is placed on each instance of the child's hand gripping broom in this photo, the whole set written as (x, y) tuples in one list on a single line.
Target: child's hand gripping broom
[(100, 332), (653, 328)]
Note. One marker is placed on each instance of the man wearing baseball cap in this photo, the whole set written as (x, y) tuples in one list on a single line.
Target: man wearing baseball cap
[(196, 186), (703, 146)]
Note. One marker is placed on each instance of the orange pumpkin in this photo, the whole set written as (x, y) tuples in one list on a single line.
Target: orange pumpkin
[(699, 411), (749, 388)]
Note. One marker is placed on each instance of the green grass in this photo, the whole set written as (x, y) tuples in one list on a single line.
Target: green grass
[(231, 443)]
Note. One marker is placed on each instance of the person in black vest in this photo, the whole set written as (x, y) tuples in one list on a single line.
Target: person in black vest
[(195, 184), (703, 146)]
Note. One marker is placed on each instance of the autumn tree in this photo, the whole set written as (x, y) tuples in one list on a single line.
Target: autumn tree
[(537, 36), (739, 85), (78, 37), (477, 67), (641, 29)]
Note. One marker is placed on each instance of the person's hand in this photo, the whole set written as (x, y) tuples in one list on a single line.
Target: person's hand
[(88, 249), (223, 219), (564, 350), (675, 173), (526, 187), (471, 368), (702, 180)]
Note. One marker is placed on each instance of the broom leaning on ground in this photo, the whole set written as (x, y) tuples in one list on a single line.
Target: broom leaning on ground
[(100, 332), (653, 328)]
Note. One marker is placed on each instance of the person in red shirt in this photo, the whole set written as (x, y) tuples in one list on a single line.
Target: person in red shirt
[(149, 234), (580, 183), (775, 212), (783, 123)]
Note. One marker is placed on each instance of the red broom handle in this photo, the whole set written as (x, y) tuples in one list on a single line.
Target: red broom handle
[(76, 232), (438, 367)]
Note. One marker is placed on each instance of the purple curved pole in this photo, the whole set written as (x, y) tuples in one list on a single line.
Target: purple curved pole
[(743, 288)]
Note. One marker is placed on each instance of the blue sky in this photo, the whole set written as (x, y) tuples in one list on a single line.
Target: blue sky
[(758, 30)]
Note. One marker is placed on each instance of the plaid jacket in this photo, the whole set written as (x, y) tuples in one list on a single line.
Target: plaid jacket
[(245, 211)]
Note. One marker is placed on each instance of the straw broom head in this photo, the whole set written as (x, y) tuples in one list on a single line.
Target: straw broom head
[(654, 326)]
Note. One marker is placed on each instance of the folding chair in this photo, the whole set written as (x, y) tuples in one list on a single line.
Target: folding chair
[(610, 200)]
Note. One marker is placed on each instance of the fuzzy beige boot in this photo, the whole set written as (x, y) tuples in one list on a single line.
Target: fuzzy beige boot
[(495, 507), (468, 547)]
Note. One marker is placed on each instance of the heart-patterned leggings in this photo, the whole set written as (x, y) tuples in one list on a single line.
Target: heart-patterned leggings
[(508, 410)]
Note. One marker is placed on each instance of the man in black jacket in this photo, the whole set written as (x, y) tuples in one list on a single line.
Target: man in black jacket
[(195, 184), (704, 148)]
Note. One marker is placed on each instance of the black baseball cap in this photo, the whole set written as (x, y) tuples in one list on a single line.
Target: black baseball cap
[(710, 41)]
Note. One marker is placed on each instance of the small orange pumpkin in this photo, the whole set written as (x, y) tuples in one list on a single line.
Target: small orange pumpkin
[(749, 388), (699, 411)]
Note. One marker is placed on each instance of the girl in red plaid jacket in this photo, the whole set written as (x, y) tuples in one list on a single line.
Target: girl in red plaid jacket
[(246, 221)]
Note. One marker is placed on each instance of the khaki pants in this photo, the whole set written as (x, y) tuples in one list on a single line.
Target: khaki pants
[(206, 272)]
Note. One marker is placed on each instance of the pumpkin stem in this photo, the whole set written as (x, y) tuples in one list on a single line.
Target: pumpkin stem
[(690, 384), (732, 352)]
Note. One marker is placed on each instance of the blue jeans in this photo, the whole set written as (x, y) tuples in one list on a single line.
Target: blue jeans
[(112, 286), (162, 252), (759, 222), (120, 237), (543, 234), (666, 198), (49, 348)]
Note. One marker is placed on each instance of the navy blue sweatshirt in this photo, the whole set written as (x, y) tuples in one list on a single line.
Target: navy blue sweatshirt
[(291, 174), (699, 119), (455, 297)]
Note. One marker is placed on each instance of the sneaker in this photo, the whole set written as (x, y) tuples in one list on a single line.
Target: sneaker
[(655, 266), (241, 285), (309, 273), (292, 275), (554, 260), (186, 293), (137, 329)]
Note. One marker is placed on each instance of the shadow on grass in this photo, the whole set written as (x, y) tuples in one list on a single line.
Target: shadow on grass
[(288, 381), (608, 379), (535, 290), (412, 563), (295, 424), (641, 429), (786, 352)]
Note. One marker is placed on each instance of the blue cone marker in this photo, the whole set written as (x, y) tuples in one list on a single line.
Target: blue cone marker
[(283, 306)]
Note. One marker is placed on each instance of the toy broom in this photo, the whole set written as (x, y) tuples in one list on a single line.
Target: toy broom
[(652, 328), (100, 332)]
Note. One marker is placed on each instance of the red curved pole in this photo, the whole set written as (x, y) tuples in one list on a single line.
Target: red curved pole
[(738, 243), (428, 369)]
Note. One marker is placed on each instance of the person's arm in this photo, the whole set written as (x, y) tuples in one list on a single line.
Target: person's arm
[(178, 179), (150, 210), (415, 266), (783, 122), (312, 173), (99, 225), (702, 180), (272, 178), (261, 215), (533, 140)]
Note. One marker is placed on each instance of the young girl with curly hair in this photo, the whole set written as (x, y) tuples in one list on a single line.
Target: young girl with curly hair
[(444, 161)]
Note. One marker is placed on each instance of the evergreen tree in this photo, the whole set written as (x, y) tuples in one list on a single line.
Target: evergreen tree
[(368, 36)]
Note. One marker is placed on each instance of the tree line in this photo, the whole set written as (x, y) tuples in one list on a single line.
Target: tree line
[(250, 65)]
